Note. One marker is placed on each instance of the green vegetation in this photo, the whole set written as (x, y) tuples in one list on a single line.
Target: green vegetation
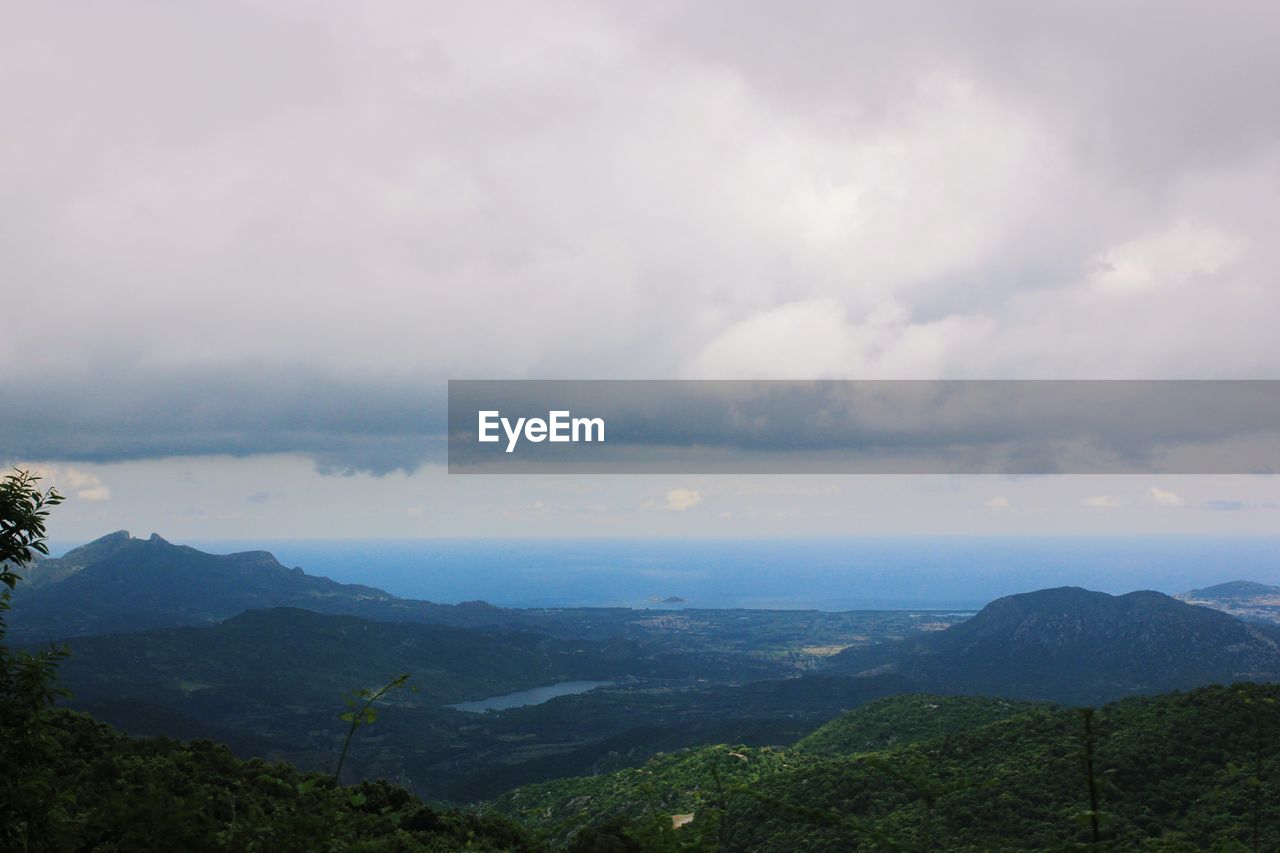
[(901, 720), (361, 712), (1189, 771), (115, 793)]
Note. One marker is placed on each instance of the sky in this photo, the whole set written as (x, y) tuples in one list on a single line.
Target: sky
[(245, 244)]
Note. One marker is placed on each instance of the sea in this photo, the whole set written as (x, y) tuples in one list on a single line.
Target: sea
[(824, 573)]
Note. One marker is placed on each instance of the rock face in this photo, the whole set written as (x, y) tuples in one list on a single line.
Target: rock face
[(1071, 644)]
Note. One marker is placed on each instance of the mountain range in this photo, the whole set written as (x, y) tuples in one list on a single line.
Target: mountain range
[(169, 640)]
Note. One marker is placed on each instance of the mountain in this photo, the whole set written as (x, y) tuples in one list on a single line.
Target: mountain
[(1073, 645), (1189, 771), (1255, 602), (119, 583), (1233, 591)]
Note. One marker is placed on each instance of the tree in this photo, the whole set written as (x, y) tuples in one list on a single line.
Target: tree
[(360, 712), (27, 685), (23, 510)]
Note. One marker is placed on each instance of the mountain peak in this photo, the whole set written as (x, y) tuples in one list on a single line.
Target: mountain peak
[(98, 548)]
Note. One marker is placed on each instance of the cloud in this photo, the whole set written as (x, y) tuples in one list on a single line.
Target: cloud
[(816, 339), (70, 481), (998, 503), (1238, 506), (531, 511), (85, 486), (123, 411), (1101, 502), (293, 254), (679, 500), (1163, 497)]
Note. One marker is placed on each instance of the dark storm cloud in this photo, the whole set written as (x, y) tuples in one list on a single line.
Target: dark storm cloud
[(345, 425), (378, 425)]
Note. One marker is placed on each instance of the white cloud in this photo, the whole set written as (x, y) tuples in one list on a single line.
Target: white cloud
[(816, 339), (1101, 502), (534, 510), (998, 503), (679, 500), (654, 189), (1173, 257), (1163, 497), (70, 481)]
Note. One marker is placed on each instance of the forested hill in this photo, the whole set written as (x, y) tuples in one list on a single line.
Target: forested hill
[(1070, 644), (1192, 771)]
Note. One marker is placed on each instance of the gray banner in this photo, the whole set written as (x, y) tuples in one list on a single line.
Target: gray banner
[(1027, 427)]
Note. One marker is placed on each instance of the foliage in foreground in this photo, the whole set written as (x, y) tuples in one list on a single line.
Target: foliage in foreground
[(1184, 771), (110, 792)]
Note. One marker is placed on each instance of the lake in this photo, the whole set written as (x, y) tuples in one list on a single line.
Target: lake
[(534, 696)]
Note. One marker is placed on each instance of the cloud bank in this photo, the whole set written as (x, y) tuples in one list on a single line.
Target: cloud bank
[(265, 227)]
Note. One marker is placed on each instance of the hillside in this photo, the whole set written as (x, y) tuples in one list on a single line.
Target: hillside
[(1074, 645), (1182, 771), (900, 720)]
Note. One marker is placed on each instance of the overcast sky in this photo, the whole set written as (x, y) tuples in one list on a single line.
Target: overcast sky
[(243, 245)]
